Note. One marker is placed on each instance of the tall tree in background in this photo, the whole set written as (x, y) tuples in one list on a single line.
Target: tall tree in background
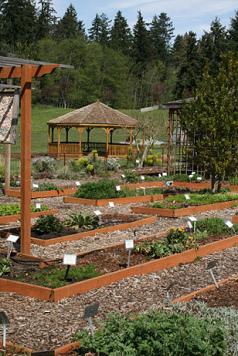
[(68, 26), (161, 33), (100, 30), (46, 19), (213, 44), (17, 22), (189, 67), (211, 121), (233, 33), (120, 34), (141, 43)]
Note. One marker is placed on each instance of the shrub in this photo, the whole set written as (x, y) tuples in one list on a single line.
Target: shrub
[(103, 189), (48, 223), (155, 333), (82, 162), (43, 164), (131, 176), (47, 186)]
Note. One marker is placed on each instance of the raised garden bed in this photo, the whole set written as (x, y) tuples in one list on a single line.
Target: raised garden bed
[(235, 219), (11, 218), (42, 194), (103, 202), (226, 295), (114, 259), (109, 224), (177, 206)]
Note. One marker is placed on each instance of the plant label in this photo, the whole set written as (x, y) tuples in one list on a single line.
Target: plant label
[(192, 218), (111, 204), (12, 238), (164, 174), (159, 175), (190, 176), (118, 188), (77, 183), (123, 176), (90, 311), (97, 212), (229, 224), (4, 321), (187, 197), (193, 173), (199, 179), (137, 161), (129, 244), (69, 260), (35, 185), (142, 178), (189, 225), (38, 206)]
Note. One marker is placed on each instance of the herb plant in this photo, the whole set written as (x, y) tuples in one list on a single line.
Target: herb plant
[(14, 209), (80, 219), (4, 266), (49, 223)]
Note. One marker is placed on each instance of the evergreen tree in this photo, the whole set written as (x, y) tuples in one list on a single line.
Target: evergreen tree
[(233, 33), (161, 33), (17, 22), (141, 43), (211, 121), (46, 19), (120, 34), (189, 71), (212, 45), (68, 26), (100, 29)]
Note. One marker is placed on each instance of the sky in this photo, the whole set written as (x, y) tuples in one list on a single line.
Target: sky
[(186, 15)]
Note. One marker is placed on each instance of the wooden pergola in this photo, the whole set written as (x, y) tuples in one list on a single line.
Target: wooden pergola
[(26, 70), (96, 115)]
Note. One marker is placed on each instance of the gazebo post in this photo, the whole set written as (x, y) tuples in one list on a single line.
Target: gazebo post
[(58, 148), (131, 131), (48, 135), (80, 141), (67, 134), (52, 135)]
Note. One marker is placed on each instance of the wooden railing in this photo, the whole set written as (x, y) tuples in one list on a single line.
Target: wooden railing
[(72, 149)]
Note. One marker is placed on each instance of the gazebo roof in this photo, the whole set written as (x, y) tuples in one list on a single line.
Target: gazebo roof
[(96, 114)]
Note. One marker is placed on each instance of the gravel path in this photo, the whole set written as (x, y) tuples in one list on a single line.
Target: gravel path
[(44, 326)]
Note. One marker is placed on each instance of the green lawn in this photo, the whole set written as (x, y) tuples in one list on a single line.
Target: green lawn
[(39, 128)]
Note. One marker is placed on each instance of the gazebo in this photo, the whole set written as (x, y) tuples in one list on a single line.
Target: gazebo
[(96, 115)]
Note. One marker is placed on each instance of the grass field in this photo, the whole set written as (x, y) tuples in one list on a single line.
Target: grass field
[(39, 128)]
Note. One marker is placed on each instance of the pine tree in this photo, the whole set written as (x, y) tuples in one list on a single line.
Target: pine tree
[(100, 29), (141, 43), (69, 26), (233, 33), (212, 45), (161, 33), (46, 19), (120, 34), (17, 22)]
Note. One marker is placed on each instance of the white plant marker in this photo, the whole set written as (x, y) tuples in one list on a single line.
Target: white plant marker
[(111, 204), (129, 245), (89, 312), (77, 183), (193, 219), (210, 266), (11, 239), (4, 321), (230, 225), (98, 213)]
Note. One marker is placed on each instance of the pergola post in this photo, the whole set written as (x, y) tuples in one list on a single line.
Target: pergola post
[(80, 141), (26, 159), (58, 148)]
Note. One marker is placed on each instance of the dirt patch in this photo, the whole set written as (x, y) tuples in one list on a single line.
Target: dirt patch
[(225, 296)]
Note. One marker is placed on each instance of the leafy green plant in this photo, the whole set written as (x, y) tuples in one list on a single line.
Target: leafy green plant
[(203, 199), (49, 223), (155, 333), (48, 186), (113, 164), (213, 225), (80, 219), (54, 278), (4, 266), (131, 176), (176, 241), (15, 209)]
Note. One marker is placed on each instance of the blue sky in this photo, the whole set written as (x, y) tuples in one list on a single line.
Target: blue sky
[(186, 15)]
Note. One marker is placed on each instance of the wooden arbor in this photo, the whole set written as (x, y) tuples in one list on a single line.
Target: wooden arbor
[(96, 115), (25, 70)]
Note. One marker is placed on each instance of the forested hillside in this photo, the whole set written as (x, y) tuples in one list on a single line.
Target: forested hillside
[(122, 67)]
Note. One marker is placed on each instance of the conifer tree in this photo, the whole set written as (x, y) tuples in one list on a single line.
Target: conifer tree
[(68, 26), (233, 33), (211, 121), (141, 42), (46, 19), (120, 34), (100, 29)]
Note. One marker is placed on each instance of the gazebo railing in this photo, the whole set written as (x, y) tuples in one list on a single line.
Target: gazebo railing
[(72, 148)]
